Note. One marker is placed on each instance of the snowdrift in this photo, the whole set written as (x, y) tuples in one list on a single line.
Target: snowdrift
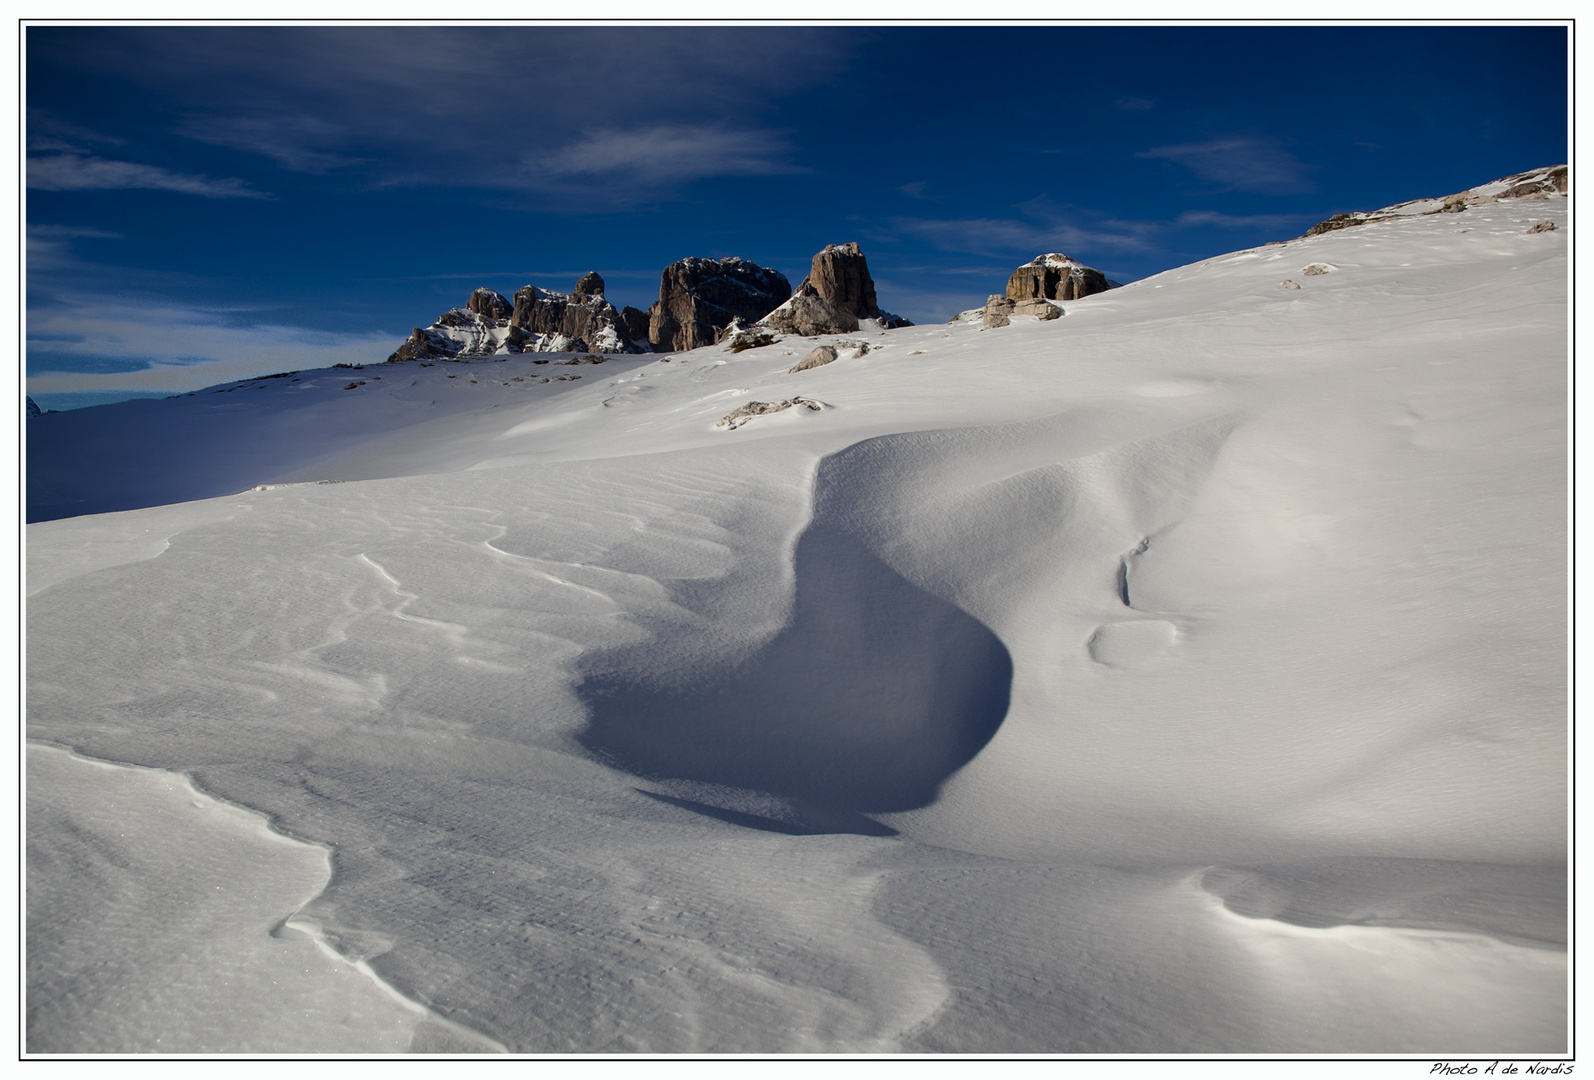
[(1186, 674)]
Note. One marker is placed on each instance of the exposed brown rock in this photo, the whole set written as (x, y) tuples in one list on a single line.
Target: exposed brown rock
[(739, 416), (1288, 284), (840, 274), (1539, 182), (1044, 310), (539, 320), (698, 297), (807, 313), (589, 286), (635, 322), (1543, 226), (582, 320), (1055, 276), (997, 310), (824, 354), (489, 305)]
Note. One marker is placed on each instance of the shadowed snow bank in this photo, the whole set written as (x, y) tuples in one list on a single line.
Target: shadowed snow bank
[(1523, 905), (873, 694)]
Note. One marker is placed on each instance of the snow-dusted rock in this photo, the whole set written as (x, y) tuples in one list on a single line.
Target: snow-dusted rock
[(539, 320), (742, 414), (838, 277), (490, 305), (1539, 183), (807, 314), (699, 297), (1055, 276), (635, 322)]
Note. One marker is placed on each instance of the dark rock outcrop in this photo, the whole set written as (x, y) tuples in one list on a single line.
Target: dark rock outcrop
[(699, 297), (490, 305), (807, 313), (1538, 182), (636, 324), (1055, 276), (539, 320), (837, 292), (840, 274), (589, 287)]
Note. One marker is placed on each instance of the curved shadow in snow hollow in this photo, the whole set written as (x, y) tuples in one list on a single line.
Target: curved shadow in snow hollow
[(867, 701)]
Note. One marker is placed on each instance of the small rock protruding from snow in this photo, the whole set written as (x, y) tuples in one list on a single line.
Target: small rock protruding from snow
[(1288, 284), (1317, 268), (822, 355), (1543, 226), (741, 415), (999, 309)]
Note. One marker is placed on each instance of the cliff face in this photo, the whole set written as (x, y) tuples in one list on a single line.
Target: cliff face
[(539, 320), (837, 292), (699, 297), (1055, 276)]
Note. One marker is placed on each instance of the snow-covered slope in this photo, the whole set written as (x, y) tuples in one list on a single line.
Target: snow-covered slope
[(1185, 674)]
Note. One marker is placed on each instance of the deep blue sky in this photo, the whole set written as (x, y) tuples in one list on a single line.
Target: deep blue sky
[(208, 203)]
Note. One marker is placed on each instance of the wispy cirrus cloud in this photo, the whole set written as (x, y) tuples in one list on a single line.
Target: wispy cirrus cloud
[(668, 154), (1192, 219), (172, 349), (49, 247), (74, 170), (1041, 227), (599, 109), (1240, 163), (296, 142)]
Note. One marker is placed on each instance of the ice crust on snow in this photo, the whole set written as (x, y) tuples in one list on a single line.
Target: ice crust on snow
[(1183, 676)]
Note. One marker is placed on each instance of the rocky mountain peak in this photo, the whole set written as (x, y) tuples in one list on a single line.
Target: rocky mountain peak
[(590, 285), (699, 297), (489, 305)]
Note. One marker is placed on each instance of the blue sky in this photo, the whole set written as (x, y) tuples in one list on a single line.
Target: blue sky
[(210, 203)]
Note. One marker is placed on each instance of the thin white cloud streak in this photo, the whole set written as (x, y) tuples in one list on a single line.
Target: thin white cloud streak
[(1000, 236), (1239, 163), (49, 247), (185, 348), (296, 143), (458, 106), (83, 172), (669, 154), (1048, 229), (1194, 219)]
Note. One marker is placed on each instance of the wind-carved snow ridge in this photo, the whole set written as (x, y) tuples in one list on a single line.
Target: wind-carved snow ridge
[(873, 694)]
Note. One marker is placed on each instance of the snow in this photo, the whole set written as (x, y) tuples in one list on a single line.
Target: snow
[(1185, 675)]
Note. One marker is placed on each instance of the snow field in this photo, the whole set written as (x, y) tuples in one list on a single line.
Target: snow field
[(915, 723)]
